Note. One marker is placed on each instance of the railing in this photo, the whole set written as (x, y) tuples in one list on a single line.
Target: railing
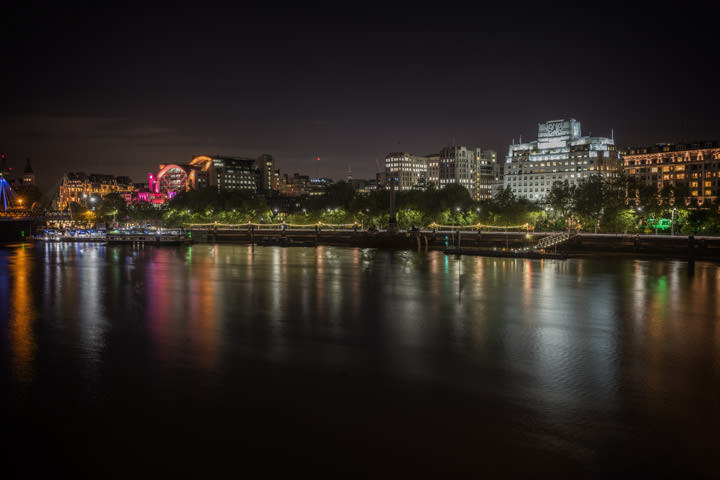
[(553, 240), (271, 226)]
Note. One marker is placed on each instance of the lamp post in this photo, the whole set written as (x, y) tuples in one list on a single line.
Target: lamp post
[(672, 221)]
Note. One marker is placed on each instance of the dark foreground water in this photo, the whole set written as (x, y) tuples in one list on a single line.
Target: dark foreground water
[(349, 362)]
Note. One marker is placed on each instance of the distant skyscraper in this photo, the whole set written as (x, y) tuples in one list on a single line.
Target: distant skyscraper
[(560, 153)]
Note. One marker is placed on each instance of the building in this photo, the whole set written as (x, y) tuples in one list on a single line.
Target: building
[(692, 165), (77, 187), (319, 186), (28, 178), (277, 181), (295, 186), (266, 172), (560, 153), (234, 174), (433, 170), (407, 171), (490, 157), (459, 165), (486, 175), (204, 171)]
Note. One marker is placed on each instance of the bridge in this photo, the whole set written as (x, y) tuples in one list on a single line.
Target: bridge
[(16, 219)]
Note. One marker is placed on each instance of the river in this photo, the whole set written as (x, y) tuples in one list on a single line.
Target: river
[(343, 362)]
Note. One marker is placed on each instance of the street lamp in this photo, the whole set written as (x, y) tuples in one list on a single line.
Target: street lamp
[(672, 221)]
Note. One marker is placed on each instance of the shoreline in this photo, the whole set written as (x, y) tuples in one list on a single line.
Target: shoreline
[(490, 244)]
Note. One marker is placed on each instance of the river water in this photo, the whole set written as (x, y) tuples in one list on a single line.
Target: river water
[(343, 362)]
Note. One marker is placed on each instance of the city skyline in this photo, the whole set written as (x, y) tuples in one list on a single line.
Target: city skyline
[(121, 93)]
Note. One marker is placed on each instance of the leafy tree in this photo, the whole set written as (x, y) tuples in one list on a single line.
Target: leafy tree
[(561, 198), (112, 206), (590, 199)]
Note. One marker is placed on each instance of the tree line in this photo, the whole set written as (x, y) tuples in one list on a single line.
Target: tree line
[(595, 204)]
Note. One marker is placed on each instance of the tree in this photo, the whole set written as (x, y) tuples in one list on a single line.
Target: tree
[(111, 207), (589, 199), (561, 198)]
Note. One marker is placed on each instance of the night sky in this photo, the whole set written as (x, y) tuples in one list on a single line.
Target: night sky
[(119, 89)]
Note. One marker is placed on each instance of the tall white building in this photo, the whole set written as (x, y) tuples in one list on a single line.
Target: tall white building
[(560, 153)]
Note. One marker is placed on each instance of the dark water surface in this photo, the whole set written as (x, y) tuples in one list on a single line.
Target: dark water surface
[(340, 361)]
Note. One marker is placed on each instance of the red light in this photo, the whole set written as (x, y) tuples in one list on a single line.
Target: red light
[(318, 159)]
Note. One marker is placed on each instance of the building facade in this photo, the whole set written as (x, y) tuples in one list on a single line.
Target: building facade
[(296, 185), (77, 187), (28, 178), (266, 172), (486, 175), (694, 165), (433, 172), (406, 170), (459, 165), (560, 153)]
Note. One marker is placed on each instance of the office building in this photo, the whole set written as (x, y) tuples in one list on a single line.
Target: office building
[(459, 165), (406, 170), (560, 153)]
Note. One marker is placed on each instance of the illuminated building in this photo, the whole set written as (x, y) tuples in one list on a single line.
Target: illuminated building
[(170, 180), (276, 181), (695, 166), (408, 171), (560, 153), (266, 170), (496, 184), (486, 175), (234, 174), (77, 187), (433, 171), (318, 186), (295, 186), (203, 171), (459, 165)]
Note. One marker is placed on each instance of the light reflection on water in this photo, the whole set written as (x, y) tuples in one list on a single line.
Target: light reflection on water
[(568, 346)]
